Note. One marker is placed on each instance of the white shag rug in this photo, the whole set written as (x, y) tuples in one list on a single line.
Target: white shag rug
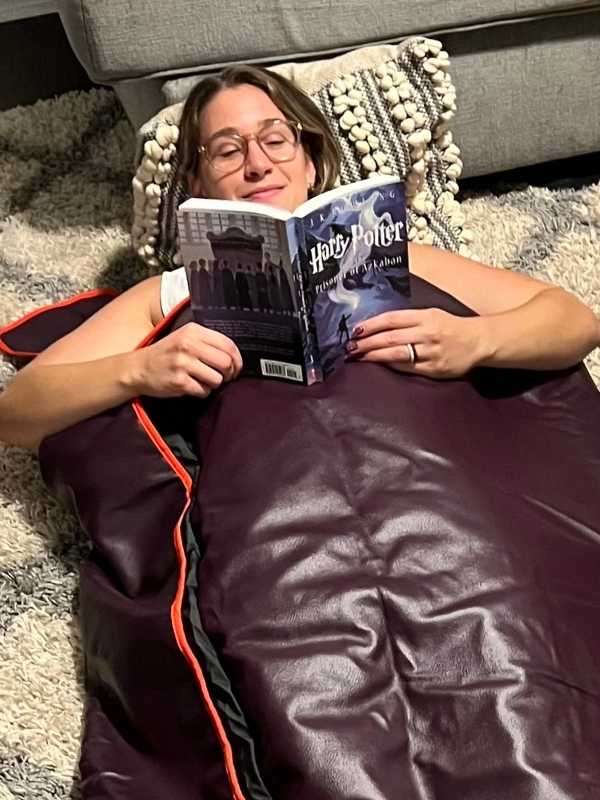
[(65, 171)]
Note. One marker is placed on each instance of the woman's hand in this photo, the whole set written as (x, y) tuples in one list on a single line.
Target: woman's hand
[(193, 360), (445, 345)]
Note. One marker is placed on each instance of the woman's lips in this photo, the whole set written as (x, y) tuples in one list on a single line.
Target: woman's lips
[(263, 195)]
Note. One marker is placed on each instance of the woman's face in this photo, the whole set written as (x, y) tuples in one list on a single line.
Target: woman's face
[(244, 109)]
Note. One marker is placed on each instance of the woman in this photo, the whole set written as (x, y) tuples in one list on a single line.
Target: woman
[(522, 322)]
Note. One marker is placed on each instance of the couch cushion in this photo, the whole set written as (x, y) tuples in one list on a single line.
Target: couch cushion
[(390, 108), (118, 39)]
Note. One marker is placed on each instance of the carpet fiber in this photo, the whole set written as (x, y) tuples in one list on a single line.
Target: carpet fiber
[(64, 218)]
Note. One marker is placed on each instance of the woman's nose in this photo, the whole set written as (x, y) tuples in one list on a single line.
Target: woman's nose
[(257, 162)]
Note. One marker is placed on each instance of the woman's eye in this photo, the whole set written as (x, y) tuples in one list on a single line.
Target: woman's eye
[(274, 140), (227, 151)]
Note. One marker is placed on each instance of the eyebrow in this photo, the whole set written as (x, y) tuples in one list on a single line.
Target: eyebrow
[(227, 131)]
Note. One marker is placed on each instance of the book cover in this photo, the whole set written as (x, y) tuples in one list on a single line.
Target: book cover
[(242, 284), (354, 257), (289, 288)]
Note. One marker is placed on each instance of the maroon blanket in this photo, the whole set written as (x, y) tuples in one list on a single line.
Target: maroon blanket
[(376, 588)]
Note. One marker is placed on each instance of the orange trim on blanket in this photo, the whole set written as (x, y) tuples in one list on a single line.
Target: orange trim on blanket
[(37, 311), (161, 445), (176, 617)]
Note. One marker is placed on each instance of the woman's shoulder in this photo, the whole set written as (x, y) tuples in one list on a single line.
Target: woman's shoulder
[(173, 289)]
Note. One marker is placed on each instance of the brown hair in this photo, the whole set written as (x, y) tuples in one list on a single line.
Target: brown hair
[(316, 137)]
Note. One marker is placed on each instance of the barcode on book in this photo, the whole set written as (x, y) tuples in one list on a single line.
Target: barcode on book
[(279, 369)]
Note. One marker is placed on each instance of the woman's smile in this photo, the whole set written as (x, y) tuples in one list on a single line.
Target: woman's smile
[(264, 194)]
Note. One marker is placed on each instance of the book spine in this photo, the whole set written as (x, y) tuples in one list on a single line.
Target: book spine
[(312, 361)]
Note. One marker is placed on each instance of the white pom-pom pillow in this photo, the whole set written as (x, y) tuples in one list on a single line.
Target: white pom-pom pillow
[(391, 108)]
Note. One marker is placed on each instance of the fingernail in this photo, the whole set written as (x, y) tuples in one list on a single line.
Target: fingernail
[(351, 347), (358, 331)]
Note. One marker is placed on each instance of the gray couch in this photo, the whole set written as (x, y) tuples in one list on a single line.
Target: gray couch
[(526, 72)]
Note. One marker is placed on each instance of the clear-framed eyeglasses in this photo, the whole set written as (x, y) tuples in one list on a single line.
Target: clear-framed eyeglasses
[(277, 138)]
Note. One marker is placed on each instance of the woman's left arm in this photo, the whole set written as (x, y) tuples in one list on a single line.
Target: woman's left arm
[(522, 322)]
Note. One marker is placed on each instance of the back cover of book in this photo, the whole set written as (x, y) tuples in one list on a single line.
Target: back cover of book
[(242, 284), (355, 264)]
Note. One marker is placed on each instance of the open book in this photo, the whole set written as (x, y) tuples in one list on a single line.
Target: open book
[(289, 288)]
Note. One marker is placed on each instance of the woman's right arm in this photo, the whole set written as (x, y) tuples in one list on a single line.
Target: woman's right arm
[(97, 367)]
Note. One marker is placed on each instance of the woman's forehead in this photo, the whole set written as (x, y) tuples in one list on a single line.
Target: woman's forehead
[(241, 108)]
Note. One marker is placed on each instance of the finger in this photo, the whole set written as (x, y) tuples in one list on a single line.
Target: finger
[(201, 335), (398, 357), (181, 382), (226, 345), (191, 387), (190, 349), (204, 374), (214, 358), (389, 338), (404, 318), (219, 340)]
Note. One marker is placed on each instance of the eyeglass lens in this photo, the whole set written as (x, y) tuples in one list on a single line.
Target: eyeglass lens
[(278, 141)]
